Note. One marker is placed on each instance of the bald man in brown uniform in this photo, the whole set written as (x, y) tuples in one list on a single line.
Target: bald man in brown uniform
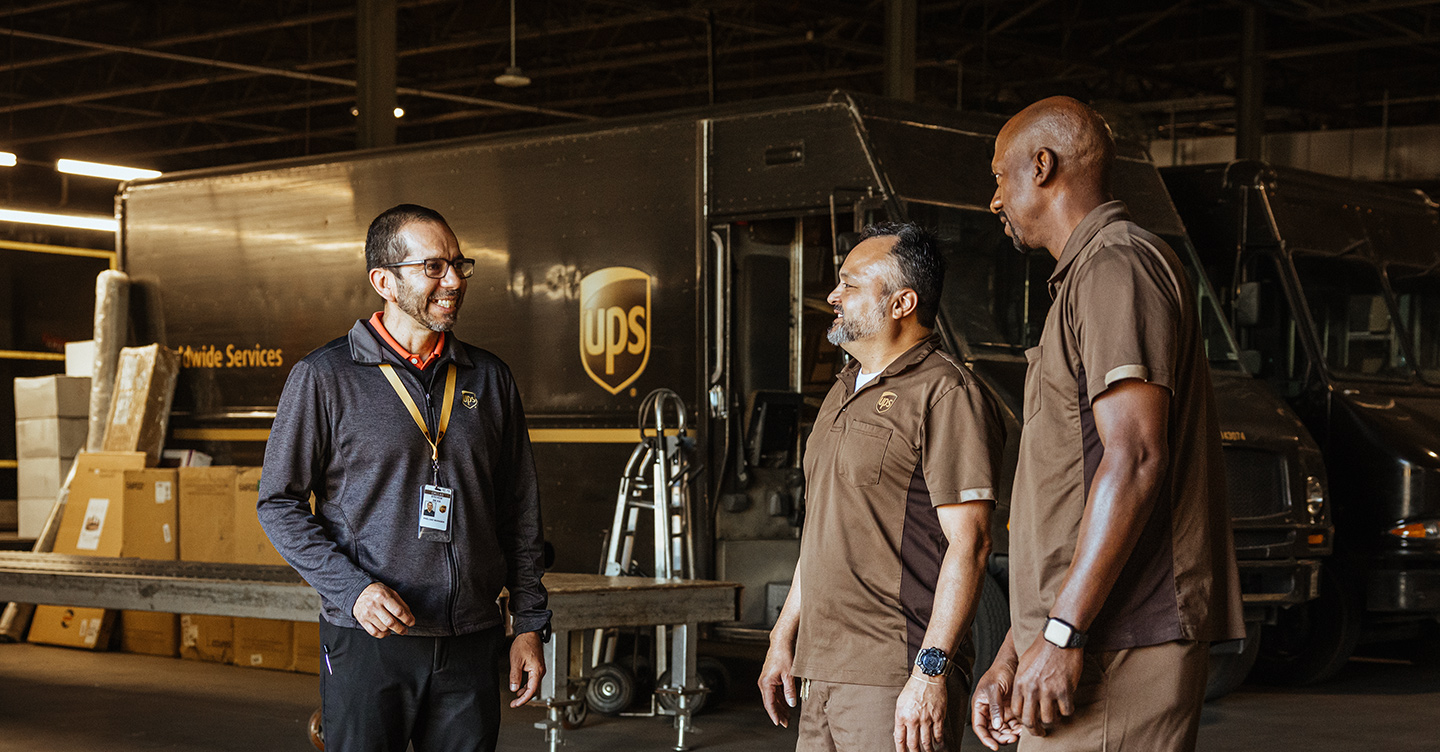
[(1122, 565), (900, 470)]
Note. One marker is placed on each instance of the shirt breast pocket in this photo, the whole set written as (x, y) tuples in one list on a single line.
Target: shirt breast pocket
[(862, 453), (1032, 383)]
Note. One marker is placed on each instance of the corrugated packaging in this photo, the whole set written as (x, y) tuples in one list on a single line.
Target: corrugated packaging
[(49, 437), (150, 633), (72, 627), (52, 397), (207, 638), (95, 520), (140, 406), (40, 477), (265, 643), (307, 647), (251, 545), (80, 359), (207, 513)]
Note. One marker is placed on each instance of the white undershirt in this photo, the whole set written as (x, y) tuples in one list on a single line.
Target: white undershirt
[(865, 378)]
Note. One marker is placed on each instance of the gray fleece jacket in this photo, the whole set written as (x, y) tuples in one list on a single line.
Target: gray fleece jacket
[(342, 433)]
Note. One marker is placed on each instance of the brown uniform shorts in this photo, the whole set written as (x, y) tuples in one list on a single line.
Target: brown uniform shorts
[(1138, 700), (837, 717)]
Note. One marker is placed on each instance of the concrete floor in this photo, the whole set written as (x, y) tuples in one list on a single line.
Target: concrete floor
[(54, 699)]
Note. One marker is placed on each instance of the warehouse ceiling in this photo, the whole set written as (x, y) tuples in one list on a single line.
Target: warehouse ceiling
[(175, 85)]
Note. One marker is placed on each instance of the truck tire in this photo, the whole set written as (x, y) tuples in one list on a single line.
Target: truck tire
[(1228, 670), (1311, 641), (992, 623)]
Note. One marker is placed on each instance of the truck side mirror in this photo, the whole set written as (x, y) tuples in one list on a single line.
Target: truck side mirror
[(1247, 304)]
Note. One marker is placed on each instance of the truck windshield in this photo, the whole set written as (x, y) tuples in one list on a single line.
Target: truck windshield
[(997, 297), (1417, 298), (1352, 318)]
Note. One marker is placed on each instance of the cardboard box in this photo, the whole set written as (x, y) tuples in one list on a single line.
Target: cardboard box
[(207, 638), (140, 406), (50, 437), (265, 643), (95, 515), (251, 545), (150, 633), (72, 627), (207, 513), (41, 477), (51, 397), (307, 647), (31, 515), (80, 358)]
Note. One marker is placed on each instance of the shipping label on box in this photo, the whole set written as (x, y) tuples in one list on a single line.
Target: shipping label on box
[(87, 628), (207, 513), (150, 633), (52, 396), (265, 643), (49, 437), (140, 405), (207, 638), (252, 546)]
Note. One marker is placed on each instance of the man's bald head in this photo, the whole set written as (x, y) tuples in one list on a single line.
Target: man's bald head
[(1077, 135)]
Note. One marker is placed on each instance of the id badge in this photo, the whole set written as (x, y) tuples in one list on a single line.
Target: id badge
[(436, 503)]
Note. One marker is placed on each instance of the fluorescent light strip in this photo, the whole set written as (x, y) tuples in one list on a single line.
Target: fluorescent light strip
[(97, 170), (78, 222), (7, 159)]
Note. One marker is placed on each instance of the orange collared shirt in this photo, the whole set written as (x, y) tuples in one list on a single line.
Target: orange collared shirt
[(419, 361)]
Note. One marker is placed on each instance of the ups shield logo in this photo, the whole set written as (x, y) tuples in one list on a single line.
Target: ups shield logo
[(886, 401), (615, 326)]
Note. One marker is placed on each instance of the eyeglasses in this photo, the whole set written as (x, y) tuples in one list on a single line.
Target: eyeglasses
[(435, 267)]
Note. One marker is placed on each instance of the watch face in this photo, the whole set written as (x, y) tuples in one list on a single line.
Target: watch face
[(931, 661), (1056, 633)]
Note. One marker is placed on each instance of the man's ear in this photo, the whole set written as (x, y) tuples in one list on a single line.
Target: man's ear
[(384, 283), (903, 304), (1043, 165)]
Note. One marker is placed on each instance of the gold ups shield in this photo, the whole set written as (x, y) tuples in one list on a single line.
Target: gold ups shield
[(615, 326)]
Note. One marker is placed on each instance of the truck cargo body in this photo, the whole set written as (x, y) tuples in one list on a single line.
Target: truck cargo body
[(1332, 284), (691, 251)]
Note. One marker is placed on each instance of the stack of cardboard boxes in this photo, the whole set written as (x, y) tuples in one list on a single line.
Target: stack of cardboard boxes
[(50, 428)]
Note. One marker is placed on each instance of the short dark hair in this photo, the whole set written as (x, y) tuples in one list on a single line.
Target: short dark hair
[(919, 262), (382, 242)]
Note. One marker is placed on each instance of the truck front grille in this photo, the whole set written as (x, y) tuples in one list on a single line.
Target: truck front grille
[(1256, 481)]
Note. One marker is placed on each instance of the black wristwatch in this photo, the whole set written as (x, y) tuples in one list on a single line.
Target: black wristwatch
[(1063, 634), (933, 662)]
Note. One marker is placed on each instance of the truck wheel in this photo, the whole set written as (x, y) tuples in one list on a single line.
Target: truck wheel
[(1311, 641), (612, 688), (992, 623), (1228, 670)]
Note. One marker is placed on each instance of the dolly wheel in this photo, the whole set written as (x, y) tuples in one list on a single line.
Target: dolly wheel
[(612, 687), (574, 715), (317, 732)]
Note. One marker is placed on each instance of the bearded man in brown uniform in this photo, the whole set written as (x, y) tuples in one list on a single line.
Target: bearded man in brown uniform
[(1122, 565), (900, 470)]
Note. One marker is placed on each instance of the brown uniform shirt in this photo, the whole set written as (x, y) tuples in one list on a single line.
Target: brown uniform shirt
[(1123, 308), (877, 463)]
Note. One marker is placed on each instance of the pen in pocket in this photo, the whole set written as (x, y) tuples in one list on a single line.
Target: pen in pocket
[(328, 667)]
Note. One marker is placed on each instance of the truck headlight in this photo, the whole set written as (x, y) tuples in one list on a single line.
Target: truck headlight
[(1314, 499), (1421, 530)]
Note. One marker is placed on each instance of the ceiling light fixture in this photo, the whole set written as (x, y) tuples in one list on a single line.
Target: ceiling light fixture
[(75, 221), (513, 77), (7, 159), (98, 170), (399, 112)]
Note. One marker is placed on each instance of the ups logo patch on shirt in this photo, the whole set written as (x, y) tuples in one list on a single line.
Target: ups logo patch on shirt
[(469, 400), (886, 400)]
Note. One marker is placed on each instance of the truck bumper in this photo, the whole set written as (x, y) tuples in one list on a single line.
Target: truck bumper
[(1406, 590), (1266, 585)]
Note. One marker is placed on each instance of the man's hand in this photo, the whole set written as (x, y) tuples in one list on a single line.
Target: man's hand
[(920, 715), (1045, 685), (527, 664), (381, 611), (776, 674), (990, 717)]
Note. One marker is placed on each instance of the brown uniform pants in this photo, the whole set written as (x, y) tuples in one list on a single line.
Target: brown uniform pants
[(837, 717), (1138, 700)]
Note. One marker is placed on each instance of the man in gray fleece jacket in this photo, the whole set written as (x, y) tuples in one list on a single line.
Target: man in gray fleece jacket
[(414, 446)]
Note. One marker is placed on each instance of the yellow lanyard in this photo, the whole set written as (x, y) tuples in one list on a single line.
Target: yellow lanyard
[(405, 397)]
